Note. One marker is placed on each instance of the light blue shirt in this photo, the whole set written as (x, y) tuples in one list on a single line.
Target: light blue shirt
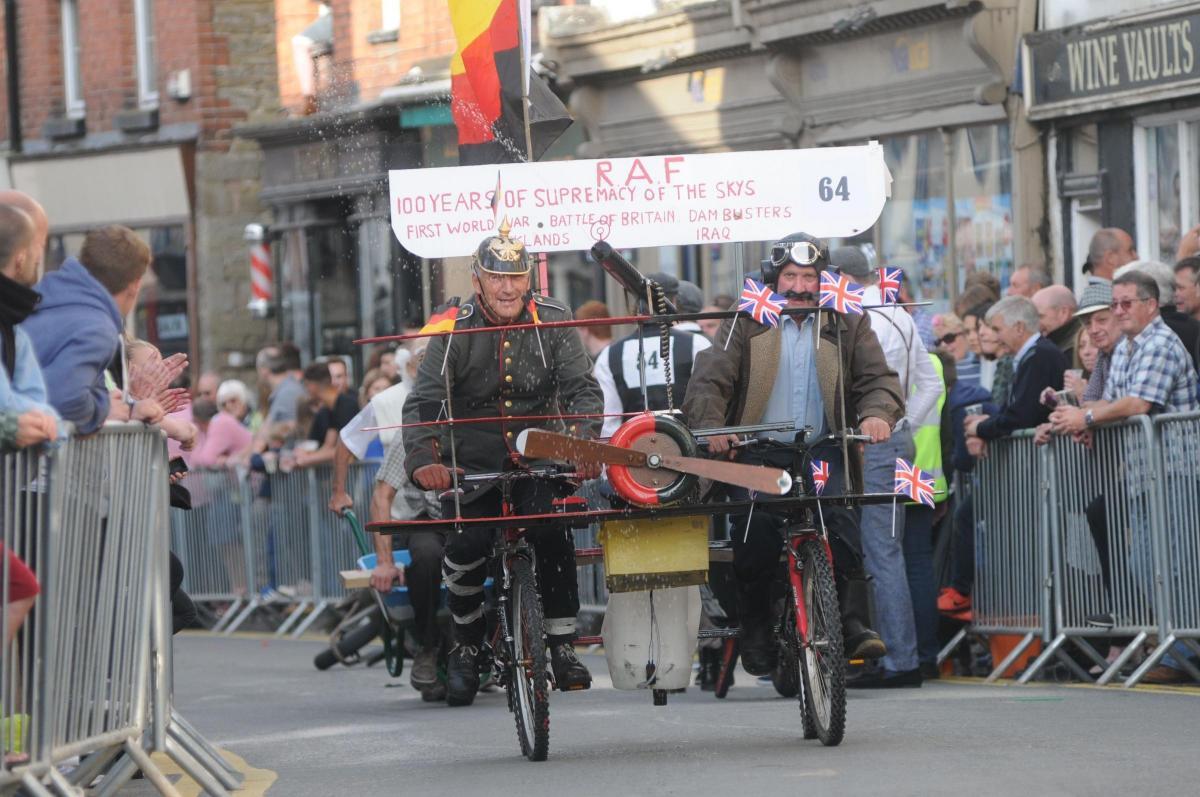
[(796, 395), (1025, 349), (27, 389)]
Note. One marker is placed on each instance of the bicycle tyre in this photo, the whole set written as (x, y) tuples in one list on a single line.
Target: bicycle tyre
[(790, 630), (823, 662), (528, 682)]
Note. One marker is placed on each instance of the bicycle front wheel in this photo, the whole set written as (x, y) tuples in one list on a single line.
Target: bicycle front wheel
[(822, 660), (528, 682)]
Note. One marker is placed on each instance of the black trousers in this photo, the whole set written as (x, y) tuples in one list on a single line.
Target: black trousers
[(465, 564), (423, 577), (758, 538), (183, 611)]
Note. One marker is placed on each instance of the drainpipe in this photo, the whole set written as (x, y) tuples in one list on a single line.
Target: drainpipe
[(12, 65)]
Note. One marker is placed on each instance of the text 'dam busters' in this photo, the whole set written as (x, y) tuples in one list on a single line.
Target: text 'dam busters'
[(665, 200)]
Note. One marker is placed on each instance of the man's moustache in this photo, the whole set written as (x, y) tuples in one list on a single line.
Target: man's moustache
[(802, 296)]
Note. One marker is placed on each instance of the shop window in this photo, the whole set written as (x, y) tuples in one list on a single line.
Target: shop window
[(919, 231), (161, 315), (1166, 184)]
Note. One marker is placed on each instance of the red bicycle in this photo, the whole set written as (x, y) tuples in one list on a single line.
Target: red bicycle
[(811, 654)]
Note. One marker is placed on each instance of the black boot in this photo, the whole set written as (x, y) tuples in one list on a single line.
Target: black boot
[(710, 666), (462, 675), (756, 643), (569, 673), (860, 641)]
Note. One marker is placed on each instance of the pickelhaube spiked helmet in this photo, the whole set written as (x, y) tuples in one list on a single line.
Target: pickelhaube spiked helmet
[(501, 254)]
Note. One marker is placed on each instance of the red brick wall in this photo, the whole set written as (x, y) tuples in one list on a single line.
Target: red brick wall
[(40, 35), (360, 69), (192, 35)]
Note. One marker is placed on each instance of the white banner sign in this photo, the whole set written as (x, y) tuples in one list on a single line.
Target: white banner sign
[(662, 200)]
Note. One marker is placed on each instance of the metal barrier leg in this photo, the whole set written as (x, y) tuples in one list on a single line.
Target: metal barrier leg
[(241, 618), (180, 723), (210, 760), (1150, 662), (93, 766), (227, 615), (1040, 661), (292, 618), (117, 776), (1130, 649), (316, 612), (945, 652), (151, 770), (34, 787), (1003, 666), (195, 770), (62, 785)]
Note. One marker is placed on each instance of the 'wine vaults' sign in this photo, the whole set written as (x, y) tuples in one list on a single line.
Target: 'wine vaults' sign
[(1087, 68)]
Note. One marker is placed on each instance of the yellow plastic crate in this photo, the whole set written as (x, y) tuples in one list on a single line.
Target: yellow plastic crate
[(655, 554)]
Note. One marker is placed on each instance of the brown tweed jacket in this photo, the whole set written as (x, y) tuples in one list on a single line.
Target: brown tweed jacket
[(731, 386)]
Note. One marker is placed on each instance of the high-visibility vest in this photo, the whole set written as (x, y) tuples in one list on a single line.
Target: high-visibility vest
[(927, 440)]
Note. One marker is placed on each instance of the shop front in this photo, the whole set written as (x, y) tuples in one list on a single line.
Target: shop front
[(146, 190), (339, 272), (927, 80), (1120, 100)]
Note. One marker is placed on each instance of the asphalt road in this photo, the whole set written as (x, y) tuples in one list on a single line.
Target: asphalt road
[(351, 731)]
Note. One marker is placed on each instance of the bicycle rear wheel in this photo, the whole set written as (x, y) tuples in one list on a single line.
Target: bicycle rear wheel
[(528, 682), (822, 660)]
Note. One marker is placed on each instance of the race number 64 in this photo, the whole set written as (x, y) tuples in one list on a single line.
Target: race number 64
[(827, 190)]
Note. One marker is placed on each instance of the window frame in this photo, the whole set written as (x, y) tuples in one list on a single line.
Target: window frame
[(76, 108), (146, 44)]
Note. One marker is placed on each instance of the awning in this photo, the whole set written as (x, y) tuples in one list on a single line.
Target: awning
[(138, 187)]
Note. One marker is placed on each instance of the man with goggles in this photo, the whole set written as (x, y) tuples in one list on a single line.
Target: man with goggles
[(508, 372), (779, 374)]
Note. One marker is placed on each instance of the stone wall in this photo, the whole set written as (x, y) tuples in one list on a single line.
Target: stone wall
[(228, 178)]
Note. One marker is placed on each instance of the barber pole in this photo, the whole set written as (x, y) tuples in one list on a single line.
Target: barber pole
[(262, 280)]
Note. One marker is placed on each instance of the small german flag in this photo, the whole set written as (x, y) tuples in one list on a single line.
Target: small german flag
[(533, 313), (441, 322), (487, 100)]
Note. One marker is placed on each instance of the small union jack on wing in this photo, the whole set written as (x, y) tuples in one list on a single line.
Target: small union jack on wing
[(889, 284), (820, 475), (762, 303), (840, 294), (914, 483)]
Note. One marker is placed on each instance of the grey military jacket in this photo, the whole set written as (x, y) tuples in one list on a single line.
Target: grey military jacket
[(494, 375)]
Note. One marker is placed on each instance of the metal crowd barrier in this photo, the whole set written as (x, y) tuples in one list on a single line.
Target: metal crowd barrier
[(1179, 444), (1012, 558), (1080, 545), (253, 541), (93, 680)]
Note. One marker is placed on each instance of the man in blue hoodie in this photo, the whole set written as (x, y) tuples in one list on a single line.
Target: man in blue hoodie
[(77, 326)]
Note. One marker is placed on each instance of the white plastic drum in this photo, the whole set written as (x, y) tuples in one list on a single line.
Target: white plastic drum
[(632, 637)]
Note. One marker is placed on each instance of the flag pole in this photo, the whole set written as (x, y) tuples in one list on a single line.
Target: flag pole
[(524, 33)]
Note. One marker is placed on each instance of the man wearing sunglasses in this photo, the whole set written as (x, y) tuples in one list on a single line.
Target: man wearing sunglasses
[(826, 378), (1151, 373)]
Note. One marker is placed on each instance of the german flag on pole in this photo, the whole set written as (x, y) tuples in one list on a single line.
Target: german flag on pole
[(441, 322), (487, 90)]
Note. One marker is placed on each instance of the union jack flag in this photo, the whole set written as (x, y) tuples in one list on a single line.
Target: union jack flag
[(820, 474), (913, 482), (889, 284), (762, 303), (840, 294)]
